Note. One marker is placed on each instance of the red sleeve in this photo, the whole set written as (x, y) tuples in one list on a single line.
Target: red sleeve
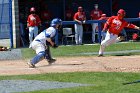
[(75, 16), (128, 25), (108, 22)]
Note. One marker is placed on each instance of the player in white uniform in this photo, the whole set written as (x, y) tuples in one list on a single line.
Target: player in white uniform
[(42, 43)]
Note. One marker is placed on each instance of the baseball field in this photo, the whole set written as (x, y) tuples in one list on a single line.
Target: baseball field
[(117, 72)]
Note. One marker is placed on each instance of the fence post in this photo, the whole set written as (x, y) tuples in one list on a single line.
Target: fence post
[(99, 32), (10, 22)]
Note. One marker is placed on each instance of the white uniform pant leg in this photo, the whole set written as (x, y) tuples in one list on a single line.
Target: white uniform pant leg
[(80, 34), (31, 30), (38, 46), (94, 25), (109, 39), (76, 33)]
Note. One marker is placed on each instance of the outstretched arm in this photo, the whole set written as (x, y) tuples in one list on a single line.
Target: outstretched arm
[(133, 26)]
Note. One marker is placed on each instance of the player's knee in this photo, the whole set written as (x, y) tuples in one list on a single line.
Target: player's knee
[(104, 44), (41, 55)]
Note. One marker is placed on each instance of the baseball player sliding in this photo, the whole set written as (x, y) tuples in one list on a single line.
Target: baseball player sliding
[(42, 42), (114, 26)]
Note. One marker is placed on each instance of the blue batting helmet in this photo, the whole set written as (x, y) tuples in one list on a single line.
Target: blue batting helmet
[(56, 21)]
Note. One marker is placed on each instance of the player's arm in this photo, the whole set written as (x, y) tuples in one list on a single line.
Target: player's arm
[(108, 22), (50, 41), (128, 25)]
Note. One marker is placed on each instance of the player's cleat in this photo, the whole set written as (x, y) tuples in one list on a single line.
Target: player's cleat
[(100, 55), (51, 61), (31, 65)]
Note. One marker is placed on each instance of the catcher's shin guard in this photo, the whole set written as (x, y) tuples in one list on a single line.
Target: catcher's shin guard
[(48, 56), (38, 57), (48, 53)]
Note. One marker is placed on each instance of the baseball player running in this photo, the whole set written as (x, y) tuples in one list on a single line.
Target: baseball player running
[(114, 26), (33, 22), (42, 42), (79, 17)]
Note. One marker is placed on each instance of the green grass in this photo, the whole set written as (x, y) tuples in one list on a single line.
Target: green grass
[(103, 82), (76, 50)]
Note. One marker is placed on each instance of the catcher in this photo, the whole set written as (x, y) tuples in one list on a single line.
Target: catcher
[(42, 42)]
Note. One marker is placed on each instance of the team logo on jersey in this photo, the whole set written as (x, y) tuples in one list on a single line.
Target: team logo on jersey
[(117, 23)]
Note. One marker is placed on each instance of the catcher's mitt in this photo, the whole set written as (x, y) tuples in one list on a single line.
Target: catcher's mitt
[(55, 46)]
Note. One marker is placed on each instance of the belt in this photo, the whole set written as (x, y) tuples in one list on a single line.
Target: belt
[(38, 40), (111, 33)]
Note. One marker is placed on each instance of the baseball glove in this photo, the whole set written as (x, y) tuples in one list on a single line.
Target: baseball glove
[(55, 46), (121, 38)]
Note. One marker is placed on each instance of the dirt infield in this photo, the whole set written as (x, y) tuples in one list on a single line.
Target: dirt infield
[(73, 64)]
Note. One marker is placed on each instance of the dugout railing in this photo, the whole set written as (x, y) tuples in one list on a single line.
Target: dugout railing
[(131, 20)]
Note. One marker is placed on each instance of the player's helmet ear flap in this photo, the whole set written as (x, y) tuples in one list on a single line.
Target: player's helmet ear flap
[(121, 11), (56, 21), (32, 9)]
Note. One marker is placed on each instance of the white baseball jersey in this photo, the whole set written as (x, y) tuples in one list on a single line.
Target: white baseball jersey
[(39, 43), (47, 33)]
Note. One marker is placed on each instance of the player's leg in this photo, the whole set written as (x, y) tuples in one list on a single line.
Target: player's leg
[(31, 29), (80, 34), (48, 55), (94, 25), (109, 39), (76, 33), (40, 53)]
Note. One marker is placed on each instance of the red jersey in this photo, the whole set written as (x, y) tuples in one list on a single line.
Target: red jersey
[(33, 20), (95, 14), (116, 25), (79, 16)]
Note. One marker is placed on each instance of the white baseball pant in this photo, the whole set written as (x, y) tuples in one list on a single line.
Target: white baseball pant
[(109, 39), (38, 46), (78, 33), (94, 25), (32, 31)]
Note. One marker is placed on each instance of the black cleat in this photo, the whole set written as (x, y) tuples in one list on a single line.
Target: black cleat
[(51, 61)]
